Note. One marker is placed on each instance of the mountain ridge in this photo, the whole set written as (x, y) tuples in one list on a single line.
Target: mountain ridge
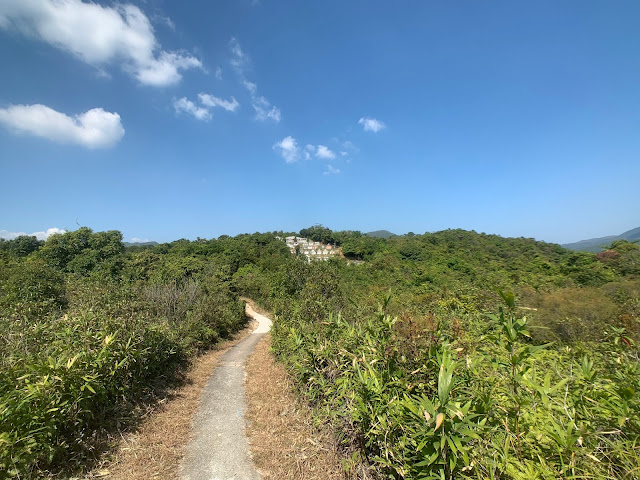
[(595, 245)]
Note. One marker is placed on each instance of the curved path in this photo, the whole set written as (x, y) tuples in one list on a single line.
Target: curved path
[(219, 449)]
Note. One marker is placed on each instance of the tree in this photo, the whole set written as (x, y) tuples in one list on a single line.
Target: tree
[(318, 233), (82, 250), (21, 246)]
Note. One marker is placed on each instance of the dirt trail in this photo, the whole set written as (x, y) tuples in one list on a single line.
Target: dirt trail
[(219, 449)]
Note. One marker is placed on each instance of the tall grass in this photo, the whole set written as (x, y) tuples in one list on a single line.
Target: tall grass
[(66, 379), (436, 402)]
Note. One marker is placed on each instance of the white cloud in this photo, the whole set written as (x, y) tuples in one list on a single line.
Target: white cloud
[(139, 240), (169, 23), (211, 101), (219, 73), (371, 124), (331, 170), (92, 129), (251, 87), (99, 35), (187, 106), (344, 154), (265, 110), (164, 70), (308, 150), (39, 235), (208, 101), (288, 148), (239, 60), (240, 63), (349, 146), (324, 153)]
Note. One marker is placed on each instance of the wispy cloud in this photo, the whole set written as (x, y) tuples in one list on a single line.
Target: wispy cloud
[(308, 151), (207, 102), (240, 62), (92, 129), (139, 240), (212, 101), (371, 124), (349, 146), (39, 235), (324, 153), (218, 73), (288, 148), (169, 23), (265, 110), (251, 87), (185, 105), (331, 170), (99, 35)]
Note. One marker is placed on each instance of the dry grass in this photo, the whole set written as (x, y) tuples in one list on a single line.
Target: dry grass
[(284, 442), (156, 448)]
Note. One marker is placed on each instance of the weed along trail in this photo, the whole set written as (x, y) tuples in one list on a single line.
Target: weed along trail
[(219, 449)]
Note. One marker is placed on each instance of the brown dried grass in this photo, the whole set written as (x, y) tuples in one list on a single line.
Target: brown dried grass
[(284, 442), (156, 448)]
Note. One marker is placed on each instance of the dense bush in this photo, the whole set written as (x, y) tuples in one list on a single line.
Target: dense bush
[(423, 383), (30, 289), (87, 333), (457, 407)]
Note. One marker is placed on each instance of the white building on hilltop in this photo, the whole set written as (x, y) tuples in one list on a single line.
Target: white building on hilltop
[(311, 249)]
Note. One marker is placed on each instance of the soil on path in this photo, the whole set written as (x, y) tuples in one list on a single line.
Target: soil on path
[(284, 442)]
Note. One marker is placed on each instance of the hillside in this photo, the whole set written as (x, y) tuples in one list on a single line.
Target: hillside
[(380, 234), (416, 351), (595, 245), (139, 244)]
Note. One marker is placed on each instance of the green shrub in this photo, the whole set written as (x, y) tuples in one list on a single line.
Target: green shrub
[(422, 401), (31, 289)]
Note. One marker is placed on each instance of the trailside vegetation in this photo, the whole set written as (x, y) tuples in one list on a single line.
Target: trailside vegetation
[(461, 355), (439, 356), (91, 332)]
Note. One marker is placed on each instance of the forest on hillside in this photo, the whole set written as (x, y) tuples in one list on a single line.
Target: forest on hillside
[(444, 355)]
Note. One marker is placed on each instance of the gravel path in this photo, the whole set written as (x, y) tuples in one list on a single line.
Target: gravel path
[(219, 449)]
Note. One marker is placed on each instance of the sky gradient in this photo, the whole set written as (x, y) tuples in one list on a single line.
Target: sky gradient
[(170, 120)]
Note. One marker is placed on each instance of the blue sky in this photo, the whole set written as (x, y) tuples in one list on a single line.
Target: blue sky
[(190, 119)]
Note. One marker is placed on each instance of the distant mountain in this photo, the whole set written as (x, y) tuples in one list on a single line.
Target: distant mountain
[(140, 244), (595, 244), (380, 234)]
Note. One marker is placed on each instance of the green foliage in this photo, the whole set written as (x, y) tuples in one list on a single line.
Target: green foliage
[(318, 233), (623, 257), (88, 333), (421, 384), (82, 250), (20, 246), (506, 409), (30, 289)]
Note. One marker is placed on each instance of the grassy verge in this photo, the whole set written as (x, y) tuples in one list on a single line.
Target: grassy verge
[(284, 441), (440, 397)]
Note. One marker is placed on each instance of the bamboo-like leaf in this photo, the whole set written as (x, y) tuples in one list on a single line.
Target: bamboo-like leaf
[(439, 420)]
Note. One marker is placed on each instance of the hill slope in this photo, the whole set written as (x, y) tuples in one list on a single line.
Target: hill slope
[(595, 244), (380, 234)]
